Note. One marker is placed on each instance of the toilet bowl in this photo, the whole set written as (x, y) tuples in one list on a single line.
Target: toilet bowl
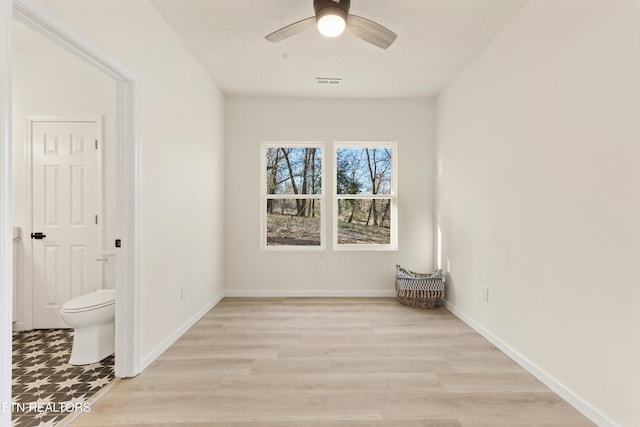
[(92, 317)]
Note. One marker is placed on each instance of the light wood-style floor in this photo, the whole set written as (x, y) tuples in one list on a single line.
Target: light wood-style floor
[(331, 362)]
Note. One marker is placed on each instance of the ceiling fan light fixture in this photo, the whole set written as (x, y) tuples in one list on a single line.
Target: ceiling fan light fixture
[(331, 21)]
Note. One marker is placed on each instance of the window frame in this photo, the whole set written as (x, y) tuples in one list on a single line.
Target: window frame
[(393, 214), (264, 197)]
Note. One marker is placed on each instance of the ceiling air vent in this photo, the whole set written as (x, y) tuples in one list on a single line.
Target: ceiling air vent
[(328, 80)]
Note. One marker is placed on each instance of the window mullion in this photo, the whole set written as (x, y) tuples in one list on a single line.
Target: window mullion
[(293, 196)]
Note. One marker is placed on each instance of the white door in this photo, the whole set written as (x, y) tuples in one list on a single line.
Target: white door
[(65, 205)]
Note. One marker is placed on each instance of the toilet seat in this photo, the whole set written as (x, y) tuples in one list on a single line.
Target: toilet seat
[(92, 301)]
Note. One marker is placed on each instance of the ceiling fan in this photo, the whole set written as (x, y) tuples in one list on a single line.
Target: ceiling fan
[(332, 17)]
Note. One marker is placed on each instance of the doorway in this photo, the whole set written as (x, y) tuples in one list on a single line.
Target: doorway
[(126, 260)]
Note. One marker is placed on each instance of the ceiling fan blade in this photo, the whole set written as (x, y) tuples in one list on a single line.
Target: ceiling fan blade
[(371, 31), (291, 30)]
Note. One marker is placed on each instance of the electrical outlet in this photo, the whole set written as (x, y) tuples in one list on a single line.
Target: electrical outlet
[(485, 294), (183, 293), (321, 267)]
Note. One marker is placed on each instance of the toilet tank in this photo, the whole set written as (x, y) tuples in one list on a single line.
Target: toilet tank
[(108, 269)]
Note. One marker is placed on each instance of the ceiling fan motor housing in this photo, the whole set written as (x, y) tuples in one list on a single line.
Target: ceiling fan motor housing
[(330, 7)]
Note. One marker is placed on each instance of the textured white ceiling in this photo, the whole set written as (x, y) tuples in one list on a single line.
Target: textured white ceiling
[(436, 38)]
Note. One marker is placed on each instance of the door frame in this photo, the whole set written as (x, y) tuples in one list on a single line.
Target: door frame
[(6, 235), (27, 265), (127, 335)]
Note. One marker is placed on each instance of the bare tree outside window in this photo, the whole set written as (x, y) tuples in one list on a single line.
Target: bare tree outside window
[(293, 192), (365, 195)]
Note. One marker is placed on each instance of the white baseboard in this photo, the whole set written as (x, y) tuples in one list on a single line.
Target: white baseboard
[(574, 400), (309, 294), (156, 352)]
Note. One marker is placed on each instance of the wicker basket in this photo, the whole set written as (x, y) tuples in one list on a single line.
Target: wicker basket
[(419, 290)]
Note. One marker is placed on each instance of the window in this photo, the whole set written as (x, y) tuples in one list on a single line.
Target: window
[(292, 193), (365, 196)]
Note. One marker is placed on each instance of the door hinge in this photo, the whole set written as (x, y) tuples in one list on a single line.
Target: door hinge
[(96, 219), (96, 144)]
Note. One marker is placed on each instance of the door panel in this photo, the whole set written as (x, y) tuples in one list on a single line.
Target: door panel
[(65, 203)]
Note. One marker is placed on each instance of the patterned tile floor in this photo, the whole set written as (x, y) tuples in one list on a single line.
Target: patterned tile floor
[(45, 388)]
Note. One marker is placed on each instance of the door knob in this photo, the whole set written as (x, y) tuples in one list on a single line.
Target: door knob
[(38, 235)]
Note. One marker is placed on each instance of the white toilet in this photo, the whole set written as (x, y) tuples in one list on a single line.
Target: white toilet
[(92, 317)]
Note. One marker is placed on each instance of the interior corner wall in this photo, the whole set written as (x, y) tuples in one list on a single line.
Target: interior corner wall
[(251, 121), (181, 164), (538, 197)]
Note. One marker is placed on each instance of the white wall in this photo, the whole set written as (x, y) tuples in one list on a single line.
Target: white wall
[(250, 121), (538, 194), (55, 83), (181, 163), (49, 82)]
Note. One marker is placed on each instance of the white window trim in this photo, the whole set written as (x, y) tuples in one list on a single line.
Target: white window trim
[(264, 196), (393, 238)]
